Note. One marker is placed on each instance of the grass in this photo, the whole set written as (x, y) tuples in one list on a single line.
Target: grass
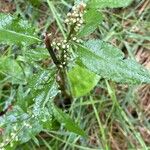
[(106, 113)]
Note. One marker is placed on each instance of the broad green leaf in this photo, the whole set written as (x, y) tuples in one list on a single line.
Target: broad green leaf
[(19, 123), (37, 54), (92, 19), (10, 68), (82, 80), (41, 81), (44, 89), (30, 121), (63, 118), (14, 30), (108, 3), (107, 61)]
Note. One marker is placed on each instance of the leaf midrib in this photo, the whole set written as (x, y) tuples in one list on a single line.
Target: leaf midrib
[(20, 34)]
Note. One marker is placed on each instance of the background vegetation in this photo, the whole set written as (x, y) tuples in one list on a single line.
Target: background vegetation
[(104, 113)]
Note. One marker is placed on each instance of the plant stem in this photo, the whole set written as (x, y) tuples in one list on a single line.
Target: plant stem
[(62, 76), (51, 51)]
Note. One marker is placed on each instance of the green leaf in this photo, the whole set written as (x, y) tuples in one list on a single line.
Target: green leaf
[(107, 61), (92, 19), (35, 3), (42, 81), (14, 30), (26, 123), (21, 124), (44, 89), (63, 118), (10, 68), (108, 3), (37, 54), (82, 80)]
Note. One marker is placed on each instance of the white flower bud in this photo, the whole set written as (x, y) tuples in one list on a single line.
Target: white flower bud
[(63, 46), (79, 25), (53, 43), (67, 20), (65, 56), (81, 14), (74, 38), (60, 66), (58, 44), (57, 48), (78, 19), (65, 41), (78, 41), (81, 21), (67, 46), (69, 14), (74, 20)]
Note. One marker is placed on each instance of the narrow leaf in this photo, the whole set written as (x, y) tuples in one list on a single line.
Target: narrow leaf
[(108, 3), (92, 19), (67, 121)]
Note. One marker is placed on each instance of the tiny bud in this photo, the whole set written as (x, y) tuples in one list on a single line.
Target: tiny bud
[(71, 19), (78, 19), (63, 46), (76, 15), (57, 48), (81, 21), (58, 44), (7, 140), (65, 51), (53, 43), (79, 25), (65, 56), (74, 38), (60, 66), (78, 41), (69, 14), (67, 46), (64, 63), (81, 15), (74, 20), (67, 20), (76, 29), (65, 41), (49, 34)]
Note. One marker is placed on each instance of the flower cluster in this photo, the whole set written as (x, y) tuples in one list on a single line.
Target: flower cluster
[(75, 17), (74, 20), (61, 44)]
